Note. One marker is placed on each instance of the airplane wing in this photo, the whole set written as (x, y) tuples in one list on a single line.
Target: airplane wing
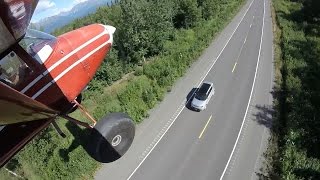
[(16, 107), (14, 137), (15, 16), (22, 119)]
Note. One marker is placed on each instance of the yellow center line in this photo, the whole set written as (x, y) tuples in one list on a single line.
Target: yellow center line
[(235, 64), (205, 127)]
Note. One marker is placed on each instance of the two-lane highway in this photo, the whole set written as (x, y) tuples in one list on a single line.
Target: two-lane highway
[(199, 144), (224, 141)]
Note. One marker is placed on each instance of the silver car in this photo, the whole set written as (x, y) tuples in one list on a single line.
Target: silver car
[(202, 96)]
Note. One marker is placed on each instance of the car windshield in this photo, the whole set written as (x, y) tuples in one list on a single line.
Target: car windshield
[(38, 45), (202, 93)]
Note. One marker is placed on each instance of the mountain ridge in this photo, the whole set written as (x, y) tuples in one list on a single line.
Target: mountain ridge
[(49, 24)]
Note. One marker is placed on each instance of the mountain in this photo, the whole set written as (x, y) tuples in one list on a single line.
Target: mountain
[(49, 24)]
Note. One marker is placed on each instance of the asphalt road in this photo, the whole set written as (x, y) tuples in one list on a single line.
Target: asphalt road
[(226, 140)]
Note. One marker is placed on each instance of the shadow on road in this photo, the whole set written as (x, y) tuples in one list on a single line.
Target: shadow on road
[(264, 115)]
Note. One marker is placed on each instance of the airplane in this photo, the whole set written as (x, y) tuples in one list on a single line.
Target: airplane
[(42, 77)]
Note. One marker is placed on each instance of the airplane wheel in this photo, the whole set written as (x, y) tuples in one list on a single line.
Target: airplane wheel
[(111, 137)]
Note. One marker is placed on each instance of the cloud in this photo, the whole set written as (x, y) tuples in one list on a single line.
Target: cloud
[(78, 1), (44, 5)]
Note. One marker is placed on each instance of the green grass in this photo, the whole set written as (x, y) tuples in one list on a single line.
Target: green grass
[(294, 146), (51, 157)]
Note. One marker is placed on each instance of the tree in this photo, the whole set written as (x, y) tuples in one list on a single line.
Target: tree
[(210, 8), (143, 28), (187, 14), (160, 26), (131, 30), (312, 10)]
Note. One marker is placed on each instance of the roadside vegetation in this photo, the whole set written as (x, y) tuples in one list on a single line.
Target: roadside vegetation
[(155, 43), (294, 148)]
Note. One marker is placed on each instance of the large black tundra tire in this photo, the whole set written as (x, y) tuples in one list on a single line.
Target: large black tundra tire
[(111, 137)]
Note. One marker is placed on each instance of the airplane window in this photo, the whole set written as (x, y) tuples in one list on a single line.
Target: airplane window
[(13, 70), (38, 45)]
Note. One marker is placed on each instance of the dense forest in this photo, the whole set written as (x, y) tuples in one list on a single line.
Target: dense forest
[(155, 42), (295, 149), (144, 27)]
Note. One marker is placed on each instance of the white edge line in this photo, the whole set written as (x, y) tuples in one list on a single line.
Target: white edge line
[(254, 80), (191, 96), (62, 60), (226, 43), (265, 130), (68, 69)]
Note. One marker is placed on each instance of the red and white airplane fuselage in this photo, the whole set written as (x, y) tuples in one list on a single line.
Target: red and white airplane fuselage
[(41, 78), (68, 64)]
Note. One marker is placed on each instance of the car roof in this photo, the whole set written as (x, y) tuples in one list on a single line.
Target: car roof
[(204, 88)]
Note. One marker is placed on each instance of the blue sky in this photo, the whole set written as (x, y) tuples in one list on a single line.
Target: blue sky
[(48, 8)]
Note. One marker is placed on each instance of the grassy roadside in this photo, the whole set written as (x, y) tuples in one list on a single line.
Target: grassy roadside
[(293, 151), (271, 155), (51, 157)]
